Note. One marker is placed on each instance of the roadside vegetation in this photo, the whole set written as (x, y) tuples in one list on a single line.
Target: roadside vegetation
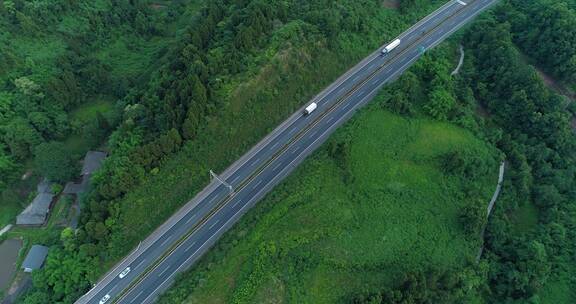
[(529, 253), (386, 196)]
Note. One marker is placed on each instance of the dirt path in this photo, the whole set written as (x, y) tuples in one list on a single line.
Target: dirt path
[(457, 69), (555, 85), (5, 229), (560, 89), (491, 205)]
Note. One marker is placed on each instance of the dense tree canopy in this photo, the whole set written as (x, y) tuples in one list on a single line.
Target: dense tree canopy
[(545, 30), (54, 162), (541, 150)]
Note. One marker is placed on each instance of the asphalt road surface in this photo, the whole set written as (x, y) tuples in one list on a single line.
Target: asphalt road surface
[(182, 240)]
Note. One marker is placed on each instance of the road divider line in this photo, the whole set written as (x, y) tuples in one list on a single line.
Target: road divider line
[(144, 260), (136, 297), (235, 179), (276, 167), (212, 226), (165, 241), (254, 163), (190, 219), (257, 184), (190, 246), (164, 271)]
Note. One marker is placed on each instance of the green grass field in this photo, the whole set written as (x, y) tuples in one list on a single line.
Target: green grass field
[(318, 236), (526, 218), (87, 112)]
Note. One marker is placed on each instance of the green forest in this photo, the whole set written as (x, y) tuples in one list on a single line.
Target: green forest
[(173, 88)]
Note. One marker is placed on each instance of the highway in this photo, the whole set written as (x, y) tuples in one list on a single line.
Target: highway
[(191, 231)]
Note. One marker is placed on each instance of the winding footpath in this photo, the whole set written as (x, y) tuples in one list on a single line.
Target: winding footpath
[(460, 62), (491, 205)]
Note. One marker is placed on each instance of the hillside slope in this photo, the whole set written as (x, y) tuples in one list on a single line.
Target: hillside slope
[(373, 204)]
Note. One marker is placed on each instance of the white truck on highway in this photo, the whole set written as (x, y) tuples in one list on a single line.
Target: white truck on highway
[(310, 108), (387, 49)]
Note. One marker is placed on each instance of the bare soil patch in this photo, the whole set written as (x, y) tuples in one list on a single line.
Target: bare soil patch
[(157, 6), (555, 85), (392, 4)]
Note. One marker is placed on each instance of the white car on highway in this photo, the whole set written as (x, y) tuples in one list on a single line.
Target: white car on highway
[(124, 273), (105, 299)]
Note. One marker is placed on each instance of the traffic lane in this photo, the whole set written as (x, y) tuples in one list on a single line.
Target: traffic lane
[(239, 175), (296, 127), (387, 74), (432, 15), (348, 84), (158, 248), (162, 268), (382, 78), (453, 8), (192, 247), (478, 7), (474, 8), (189, 249), (144, 255)]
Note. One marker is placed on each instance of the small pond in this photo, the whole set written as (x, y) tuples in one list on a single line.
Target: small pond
[(8, 255)]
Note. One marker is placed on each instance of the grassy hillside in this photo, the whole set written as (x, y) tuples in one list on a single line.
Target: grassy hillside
[(332, 228)]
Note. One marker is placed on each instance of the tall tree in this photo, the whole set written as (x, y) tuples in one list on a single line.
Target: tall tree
[(54, 161)]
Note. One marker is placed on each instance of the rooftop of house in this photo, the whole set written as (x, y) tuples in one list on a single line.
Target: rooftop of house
[(92, 161), (35, 258), (44, 186), (36, 212)]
